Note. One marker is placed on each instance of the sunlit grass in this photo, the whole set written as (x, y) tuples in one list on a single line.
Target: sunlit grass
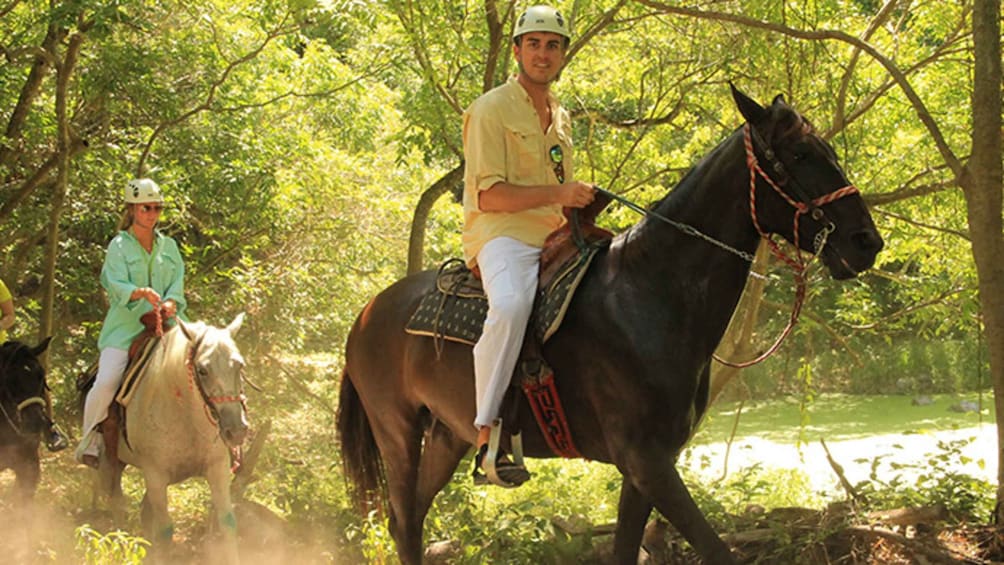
[(840, 417)]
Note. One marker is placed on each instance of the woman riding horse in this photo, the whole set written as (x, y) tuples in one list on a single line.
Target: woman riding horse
[(143, 272)]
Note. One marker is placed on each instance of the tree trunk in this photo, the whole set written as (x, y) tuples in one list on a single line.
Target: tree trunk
[(416, 242), (737, 344), (982, 186), (65, 151)]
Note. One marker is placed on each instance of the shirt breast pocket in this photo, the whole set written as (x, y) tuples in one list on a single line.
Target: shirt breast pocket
[(138, 275), (522, 156), (164, 272)]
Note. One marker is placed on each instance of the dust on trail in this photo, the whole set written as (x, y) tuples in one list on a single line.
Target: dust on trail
[(912, 454)]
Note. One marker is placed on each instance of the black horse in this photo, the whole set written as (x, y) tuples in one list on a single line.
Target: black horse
[(23, 413), (632, 357)]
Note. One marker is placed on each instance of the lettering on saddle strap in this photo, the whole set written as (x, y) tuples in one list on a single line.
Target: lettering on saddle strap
[(542, 395)]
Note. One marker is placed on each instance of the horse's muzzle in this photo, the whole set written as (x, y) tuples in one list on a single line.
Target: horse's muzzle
[(30, 416), (847, 259), (233, 426), (234, 437)]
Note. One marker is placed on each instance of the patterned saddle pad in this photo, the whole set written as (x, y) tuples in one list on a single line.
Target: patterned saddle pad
[(455, 310)]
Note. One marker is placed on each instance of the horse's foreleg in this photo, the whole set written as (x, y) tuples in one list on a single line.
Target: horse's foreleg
[(632, 513), (110, 481), (27, 471), (218, 477), (661, 484), (157, 522), (22, 525)]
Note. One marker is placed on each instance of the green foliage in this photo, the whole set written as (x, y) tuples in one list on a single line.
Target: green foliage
[(966, 498), (751, 486), (492, 525), (113, 547)]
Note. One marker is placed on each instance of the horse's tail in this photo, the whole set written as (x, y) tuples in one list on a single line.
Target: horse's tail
[(361, 461)]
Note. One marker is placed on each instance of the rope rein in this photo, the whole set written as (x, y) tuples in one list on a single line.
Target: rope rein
[(685, 228)]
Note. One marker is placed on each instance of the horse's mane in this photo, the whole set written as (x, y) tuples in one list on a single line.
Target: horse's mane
[(787, 122)]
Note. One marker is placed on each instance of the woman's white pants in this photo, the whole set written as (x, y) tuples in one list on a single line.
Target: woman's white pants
[(111, 369)]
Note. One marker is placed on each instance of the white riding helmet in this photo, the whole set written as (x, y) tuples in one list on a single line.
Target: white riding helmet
[(541, 18), (139, 191)]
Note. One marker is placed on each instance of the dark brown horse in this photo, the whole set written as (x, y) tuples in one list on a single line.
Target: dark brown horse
[(23, 414), (632, 357)]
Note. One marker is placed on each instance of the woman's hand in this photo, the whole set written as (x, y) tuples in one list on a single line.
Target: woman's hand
[(146, 293), (169, 309)]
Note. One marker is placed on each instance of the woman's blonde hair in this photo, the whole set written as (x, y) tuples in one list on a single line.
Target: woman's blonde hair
[(128, 216)]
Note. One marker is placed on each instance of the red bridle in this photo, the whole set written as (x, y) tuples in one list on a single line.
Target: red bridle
[(799, 264), (210, 402)]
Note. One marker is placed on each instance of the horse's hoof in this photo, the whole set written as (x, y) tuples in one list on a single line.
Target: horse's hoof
[(90, 460)]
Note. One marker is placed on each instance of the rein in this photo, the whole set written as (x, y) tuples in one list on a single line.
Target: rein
[(798, 263)]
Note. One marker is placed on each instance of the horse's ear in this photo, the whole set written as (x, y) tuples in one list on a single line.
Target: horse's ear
[(779, 100), (42, 346), (753, 112), (185, 329), (236, 324)]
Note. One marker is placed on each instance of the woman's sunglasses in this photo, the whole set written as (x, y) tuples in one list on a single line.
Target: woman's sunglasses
[(556, 158), (147, 208)]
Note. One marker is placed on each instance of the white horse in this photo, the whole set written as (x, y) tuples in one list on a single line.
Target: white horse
[(185, 418)]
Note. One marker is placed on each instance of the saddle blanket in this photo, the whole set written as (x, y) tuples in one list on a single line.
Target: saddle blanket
[(455, 310), (134, 369)]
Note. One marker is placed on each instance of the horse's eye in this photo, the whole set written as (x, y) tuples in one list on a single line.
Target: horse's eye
[(801, 151)]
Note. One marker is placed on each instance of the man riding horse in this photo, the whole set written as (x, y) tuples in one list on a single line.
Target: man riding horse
[(518, 154)]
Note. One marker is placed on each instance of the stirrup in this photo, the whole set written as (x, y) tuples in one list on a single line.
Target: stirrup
[(499, 470), (56, 439)]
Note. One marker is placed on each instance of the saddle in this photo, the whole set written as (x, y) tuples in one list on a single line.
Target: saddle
[(455, 310), (139, 354)]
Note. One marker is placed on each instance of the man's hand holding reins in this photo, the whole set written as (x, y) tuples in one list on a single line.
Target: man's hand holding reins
[(575, 194)]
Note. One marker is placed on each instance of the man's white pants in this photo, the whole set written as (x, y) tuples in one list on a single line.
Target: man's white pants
[(509, 275), (111, 369)]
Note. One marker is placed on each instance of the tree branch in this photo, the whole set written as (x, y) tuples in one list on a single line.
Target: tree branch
[(416, 241), (900, 217), (958, 169), (206, 103)]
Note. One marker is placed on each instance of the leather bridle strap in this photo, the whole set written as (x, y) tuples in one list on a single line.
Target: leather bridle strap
[(210, 401)]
